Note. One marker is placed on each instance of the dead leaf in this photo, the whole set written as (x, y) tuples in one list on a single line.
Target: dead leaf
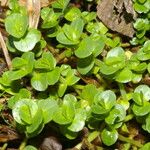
[(51, 143), (44, 3), (8, 134), (118, 15)]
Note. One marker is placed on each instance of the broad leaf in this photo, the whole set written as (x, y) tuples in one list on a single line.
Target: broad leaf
[(28, 42), (109, 137), (39, 81), (16, 24)]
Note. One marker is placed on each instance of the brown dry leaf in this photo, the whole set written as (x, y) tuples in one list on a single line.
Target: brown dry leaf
[(51, 143), (118, 15), (44, 3), (7, 134)]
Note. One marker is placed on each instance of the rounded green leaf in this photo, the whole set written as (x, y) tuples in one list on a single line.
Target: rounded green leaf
[(53, 76), (16, 24), (39, 81), (28, 42), (24, 110), (29, 147), (62, 38), (141, 110), (116, 115), (64, 114), (144, 90), (147, 123), (47, 62), (106, 99), (37, 120), (73, 14), (109, 137), (88, 46), (84, 65), (88, 93), (145, 147), (48, 107), (78, 121), (124, 76)]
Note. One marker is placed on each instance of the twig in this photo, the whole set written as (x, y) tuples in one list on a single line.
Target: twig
[(3, 2), (5, 51), (23, 144), (34, 7)]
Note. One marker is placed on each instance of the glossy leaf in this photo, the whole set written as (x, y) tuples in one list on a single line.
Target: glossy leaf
[(20, 115), (109, 137), (141, 110), (47, 61), (88, 46), (16, 24), (124, 76), (78, 121), (39, 81), (28, 42), (48, 107)]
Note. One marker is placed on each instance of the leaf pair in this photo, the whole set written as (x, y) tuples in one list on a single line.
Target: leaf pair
[(16, 25), (70, 34), (47, 73), (32, 116)]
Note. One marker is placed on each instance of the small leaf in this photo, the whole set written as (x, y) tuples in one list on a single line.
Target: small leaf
[(29, 147), (48, 107), (65, 114), (88, 93), (28, 42), (141, 110), (144, 90), (124, 76), (35, 127), (109, 137), (24, 103), (88, 46), (53, 76), (146, 146), (16, 24), (61, 37), (78, 121), (39, 81), (106, 99), (71, 78), (73, 14), (61, 89), (49, 17), (116, 115), (84, 65), (147, 123), (47, 62), (60, 4)]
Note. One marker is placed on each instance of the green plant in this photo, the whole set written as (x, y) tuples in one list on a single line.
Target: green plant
[(73, 73)]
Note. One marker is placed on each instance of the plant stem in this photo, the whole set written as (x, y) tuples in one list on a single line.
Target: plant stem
[(61, 56), (23, 144), (4, 146), (131, 141), (122, 91), (128, 117), (52, 50), (125, 45), (90, 138), (5, 51), (78, 86)]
